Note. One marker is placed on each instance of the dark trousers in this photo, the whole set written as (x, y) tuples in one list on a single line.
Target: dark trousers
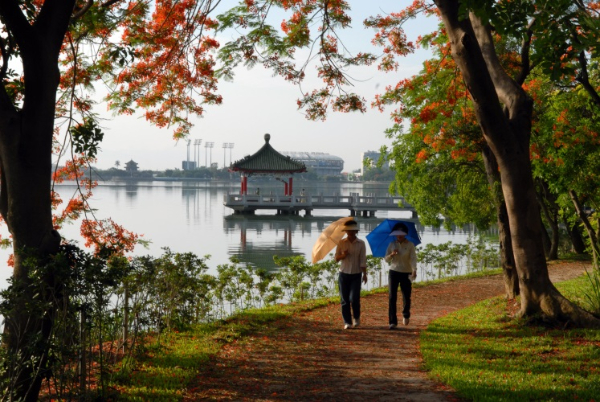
[(395, 278), (350, 296)]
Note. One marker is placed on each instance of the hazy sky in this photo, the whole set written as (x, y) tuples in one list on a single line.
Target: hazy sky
[(257, 103)]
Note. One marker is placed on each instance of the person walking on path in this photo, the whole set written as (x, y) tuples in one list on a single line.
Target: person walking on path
[(402, 257), (352, 253)]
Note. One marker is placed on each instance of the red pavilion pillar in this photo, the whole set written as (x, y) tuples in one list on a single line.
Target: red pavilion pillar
[(244, 185), (291, 188)]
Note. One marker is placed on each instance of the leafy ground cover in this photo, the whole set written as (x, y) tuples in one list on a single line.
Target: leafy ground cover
[(301, 352), (486, 355)]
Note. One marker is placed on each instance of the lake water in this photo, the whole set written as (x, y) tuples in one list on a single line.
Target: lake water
[(191, 217)]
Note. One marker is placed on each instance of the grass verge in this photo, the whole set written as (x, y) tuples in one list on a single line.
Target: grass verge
[(487, 356)]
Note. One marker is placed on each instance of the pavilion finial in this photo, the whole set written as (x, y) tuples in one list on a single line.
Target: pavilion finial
[(267, 137)]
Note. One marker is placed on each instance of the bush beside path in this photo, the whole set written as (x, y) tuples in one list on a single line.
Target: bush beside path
[(309, 357)]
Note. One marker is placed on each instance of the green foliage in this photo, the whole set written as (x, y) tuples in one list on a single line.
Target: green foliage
[(172, 291), (86, 137), (378, 174), (448, 259), (303, 280), (565, 149), (374, 271), (592, 292), (560, 31), (80, 285)]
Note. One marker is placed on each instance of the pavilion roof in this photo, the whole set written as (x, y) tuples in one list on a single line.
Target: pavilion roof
[(268, 160)]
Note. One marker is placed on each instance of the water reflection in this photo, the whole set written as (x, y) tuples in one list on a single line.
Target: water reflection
[(131, 190)]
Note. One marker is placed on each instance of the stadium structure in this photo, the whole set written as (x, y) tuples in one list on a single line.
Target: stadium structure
[(321, 163)]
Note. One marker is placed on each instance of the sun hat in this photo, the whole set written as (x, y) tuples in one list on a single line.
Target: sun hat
[(398, 233), (399, 229), (350, 226)]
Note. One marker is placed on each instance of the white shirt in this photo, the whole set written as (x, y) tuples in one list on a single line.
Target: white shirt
[(357, 256), (405, 260)]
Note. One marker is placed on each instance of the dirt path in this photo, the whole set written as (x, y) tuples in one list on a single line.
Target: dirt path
[(311, 358)]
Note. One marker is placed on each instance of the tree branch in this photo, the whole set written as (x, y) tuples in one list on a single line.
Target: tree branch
[(4, 196), (110, 3), (525, 61), (15, 20), (79, 13), (468, 56), (586, 223), (507, 89), (53, 20), (6, 48), (583, 78)]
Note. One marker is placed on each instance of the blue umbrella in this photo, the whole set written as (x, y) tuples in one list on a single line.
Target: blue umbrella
[(380, 238)]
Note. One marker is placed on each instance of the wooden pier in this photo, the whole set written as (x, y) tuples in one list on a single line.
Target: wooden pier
[(358, 205)]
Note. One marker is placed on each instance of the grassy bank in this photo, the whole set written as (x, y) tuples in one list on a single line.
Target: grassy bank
[(486, 355)]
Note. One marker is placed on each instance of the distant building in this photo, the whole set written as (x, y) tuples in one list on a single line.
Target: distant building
[(188, 165), (373, 156), (131, 166), (321, 163)]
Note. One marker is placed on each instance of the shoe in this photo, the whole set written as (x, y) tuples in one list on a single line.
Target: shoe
[(392, 326), (356, 321), (347, 326), (405, 321)]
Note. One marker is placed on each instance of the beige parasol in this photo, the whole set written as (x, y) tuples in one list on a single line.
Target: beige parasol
[(329, 239)]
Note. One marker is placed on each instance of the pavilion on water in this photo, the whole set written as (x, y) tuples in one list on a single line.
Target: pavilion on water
[(268, 162)]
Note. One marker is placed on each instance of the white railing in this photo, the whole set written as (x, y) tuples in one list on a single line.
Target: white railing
[(275, 201)]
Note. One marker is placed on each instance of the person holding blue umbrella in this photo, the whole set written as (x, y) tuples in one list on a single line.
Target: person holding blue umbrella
[(402, 257)]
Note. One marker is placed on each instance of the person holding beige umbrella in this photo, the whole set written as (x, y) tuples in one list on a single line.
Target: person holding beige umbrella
[(351, 253)]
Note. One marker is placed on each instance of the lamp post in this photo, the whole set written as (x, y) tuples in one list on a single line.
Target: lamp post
[(230, 148), (197, 151), (206, 146), (225, 146), (187, 161)]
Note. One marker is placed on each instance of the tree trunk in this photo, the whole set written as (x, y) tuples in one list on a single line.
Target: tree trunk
[(595, 247), (26, 168), (25, 200), (507, 259), (508, 138), (547, 202), (546, 241), (578, 245)]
